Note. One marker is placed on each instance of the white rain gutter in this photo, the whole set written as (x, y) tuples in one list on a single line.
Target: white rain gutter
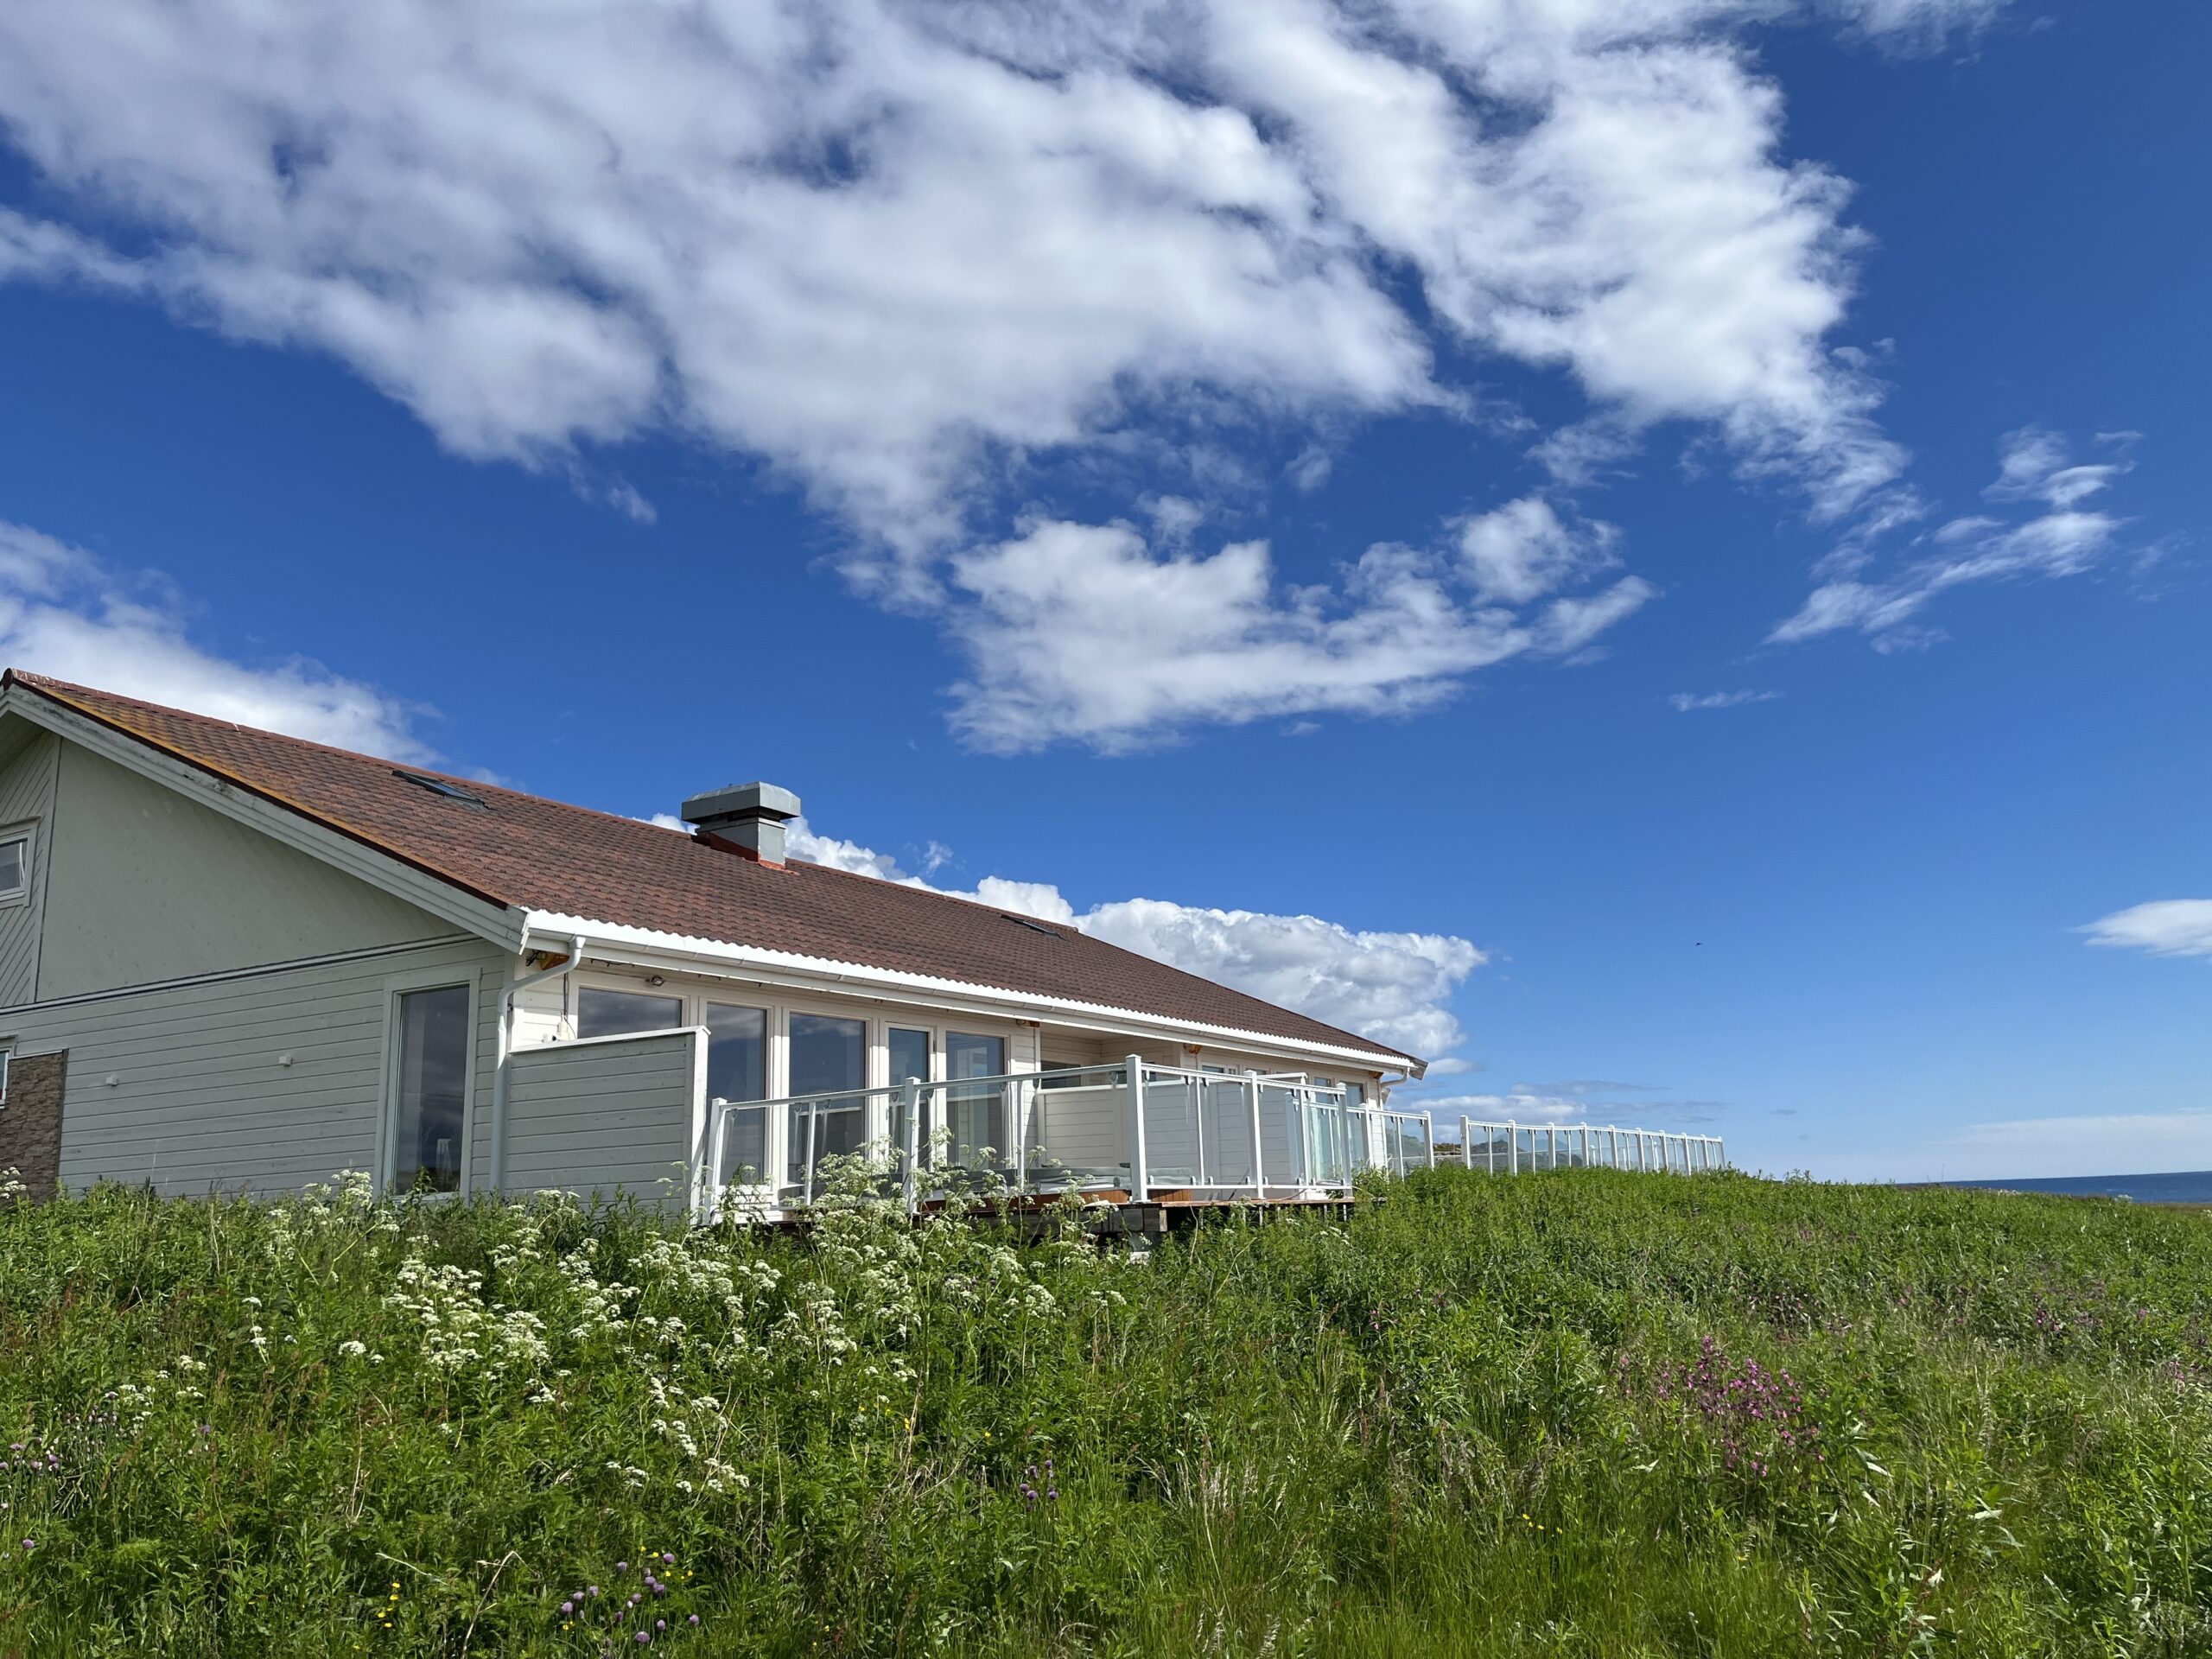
[(514, 986)]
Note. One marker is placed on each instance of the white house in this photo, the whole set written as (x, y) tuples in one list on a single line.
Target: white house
[(237, 961)]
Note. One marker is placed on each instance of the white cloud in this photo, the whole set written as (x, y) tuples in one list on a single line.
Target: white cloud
[(1524, 1105), (1522, 550), (2063, 539), (1685, 702), (2164, 927), (1396, 988), (915, 255), (1082, 631), (1916, 23), (2033, 465), (63, 613)]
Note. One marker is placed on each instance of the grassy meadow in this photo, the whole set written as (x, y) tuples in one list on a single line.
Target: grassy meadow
[(1585, 1412)]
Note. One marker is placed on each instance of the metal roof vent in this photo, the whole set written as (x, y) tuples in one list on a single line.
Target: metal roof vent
[(747, 818)]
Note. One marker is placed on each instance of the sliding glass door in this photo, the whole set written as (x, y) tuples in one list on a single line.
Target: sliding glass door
[(909, 1052), (976, 1113), (828, 1117), (737, 1069)]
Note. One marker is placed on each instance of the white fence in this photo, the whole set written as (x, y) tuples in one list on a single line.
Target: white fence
[(1129, 1132), (1134, 1132), (1512, 1149)]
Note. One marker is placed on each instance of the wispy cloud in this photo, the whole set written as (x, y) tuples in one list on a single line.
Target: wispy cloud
[(2065, 538), (2164, 927), (1685, 702), (65, 612)]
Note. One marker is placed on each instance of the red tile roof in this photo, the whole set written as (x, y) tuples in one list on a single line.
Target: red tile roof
[(533, 853)]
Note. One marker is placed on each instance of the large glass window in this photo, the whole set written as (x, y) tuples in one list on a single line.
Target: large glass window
[(828, 1062), (737, 1069), (910, 1058), (617, 1013), (975, 1113), (432, 1089)]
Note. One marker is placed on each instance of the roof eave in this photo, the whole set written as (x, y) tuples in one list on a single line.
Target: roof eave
[(663, 947), (283, 820)]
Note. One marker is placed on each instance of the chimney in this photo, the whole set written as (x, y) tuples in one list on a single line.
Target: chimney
[(747, 818)]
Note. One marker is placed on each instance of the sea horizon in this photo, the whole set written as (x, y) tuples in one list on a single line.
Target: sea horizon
[(2172, 1187)]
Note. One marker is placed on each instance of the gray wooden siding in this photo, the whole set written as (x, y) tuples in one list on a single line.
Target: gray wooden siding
[(200, 1099), (594, 1117), (144, 884), (26, 797)]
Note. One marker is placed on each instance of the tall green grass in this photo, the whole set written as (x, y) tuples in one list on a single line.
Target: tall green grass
[(1585, 1413)]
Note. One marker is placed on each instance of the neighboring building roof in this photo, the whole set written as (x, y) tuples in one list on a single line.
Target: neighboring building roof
[(532, 854)]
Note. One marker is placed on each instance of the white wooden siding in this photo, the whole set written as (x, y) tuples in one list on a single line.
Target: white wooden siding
[(621, 1113), (145, 885), (27, 798), (201, 1100)]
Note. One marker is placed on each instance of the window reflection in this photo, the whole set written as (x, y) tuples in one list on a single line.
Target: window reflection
[(910, 1058), (433, 1084), (618, 1014), (737, 1069), (828, 1065), (975, 1113)]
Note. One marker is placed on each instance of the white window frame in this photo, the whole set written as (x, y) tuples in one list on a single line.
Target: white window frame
[(876, 1020), (395, 987), (27, 834)]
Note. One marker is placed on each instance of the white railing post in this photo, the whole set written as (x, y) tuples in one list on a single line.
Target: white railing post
[(719, 1120), (1467, 1144), (1259, 1168), (1197, 1089), (910, 1097), (1428, 1133), (1139, 1182), (1512, 1147), (1018, 1119), (813, 1117)]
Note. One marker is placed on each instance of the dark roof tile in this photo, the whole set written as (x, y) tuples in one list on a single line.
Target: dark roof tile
[(527, 852)]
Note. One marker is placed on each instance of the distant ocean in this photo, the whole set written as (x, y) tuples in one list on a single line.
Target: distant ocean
[(2194, 1187)]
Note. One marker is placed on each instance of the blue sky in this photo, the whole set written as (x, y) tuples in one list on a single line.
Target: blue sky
[(1659, 561)]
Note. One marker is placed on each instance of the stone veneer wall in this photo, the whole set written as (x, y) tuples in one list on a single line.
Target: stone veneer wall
[(30, 1121)]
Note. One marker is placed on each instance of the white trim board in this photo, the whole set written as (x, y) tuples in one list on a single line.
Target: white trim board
[(223, 975)]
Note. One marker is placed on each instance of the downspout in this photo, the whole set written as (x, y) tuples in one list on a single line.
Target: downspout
[(514, 986)]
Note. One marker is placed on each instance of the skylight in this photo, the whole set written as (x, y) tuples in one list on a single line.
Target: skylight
[(1035, 927), (440, 786)]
